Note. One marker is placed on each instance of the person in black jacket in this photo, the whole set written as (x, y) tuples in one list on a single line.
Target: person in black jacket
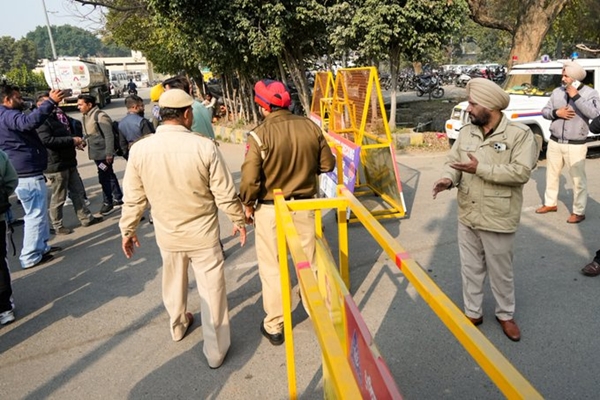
[(62, 172)]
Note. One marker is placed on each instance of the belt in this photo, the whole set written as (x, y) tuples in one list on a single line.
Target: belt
[(567, 141), (263, 201)]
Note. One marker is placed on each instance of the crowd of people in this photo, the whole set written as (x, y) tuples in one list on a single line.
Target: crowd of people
[(175, 153)]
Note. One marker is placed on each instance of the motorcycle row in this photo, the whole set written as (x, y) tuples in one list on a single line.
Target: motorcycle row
[(431, 83)]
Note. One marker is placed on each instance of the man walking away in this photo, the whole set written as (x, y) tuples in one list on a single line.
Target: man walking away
[(202, 123), (62, 171), (295, 152), (97, 127), (20, 141), (570, 108), (134, 126), (183, 176), (490, 163), (8, 183)]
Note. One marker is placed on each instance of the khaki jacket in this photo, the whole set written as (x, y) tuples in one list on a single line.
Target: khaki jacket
[(100, 144), (295, 153), (184, 178), (491, 199)]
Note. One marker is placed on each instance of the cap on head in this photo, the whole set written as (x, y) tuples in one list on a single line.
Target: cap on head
[(574, 70), (269, 93), (156, 91), (487, 93), (175, 98)]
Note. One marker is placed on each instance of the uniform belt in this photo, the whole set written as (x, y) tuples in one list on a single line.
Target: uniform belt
[(263, 201), (567, 141)]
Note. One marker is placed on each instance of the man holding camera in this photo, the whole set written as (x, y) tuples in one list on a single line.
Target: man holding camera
[(570, 108), (19, 139)]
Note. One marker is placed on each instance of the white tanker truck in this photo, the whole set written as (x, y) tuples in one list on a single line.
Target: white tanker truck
[(81, 77)]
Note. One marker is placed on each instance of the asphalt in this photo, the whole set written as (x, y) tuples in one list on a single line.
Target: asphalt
[(91, 324)]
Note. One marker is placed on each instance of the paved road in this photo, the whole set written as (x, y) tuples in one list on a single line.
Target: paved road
[(91, 323)]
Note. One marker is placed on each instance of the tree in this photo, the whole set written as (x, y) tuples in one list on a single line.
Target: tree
[(69, 41), (407, 29), (15, 53), (528, 21)]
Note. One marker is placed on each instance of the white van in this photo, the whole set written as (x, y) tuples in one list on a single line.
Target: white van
[(529, 86)]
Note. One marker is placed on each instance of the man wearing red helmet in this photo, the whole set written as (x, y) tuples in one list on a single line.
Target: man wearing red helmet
[(285, 152)]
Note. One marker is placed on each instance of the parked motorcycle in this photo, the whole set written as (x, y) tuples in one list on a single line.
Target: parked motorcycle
[(462, 80), (429, 84)]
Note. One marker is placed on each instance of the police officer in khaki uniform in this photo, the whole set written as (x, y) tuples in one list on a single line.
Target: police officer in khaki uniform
[(489, 164), (291, 153), (183, 176)]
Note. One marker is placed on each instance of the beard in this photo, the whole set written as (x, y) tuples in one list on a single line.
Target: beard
[(480, 120)]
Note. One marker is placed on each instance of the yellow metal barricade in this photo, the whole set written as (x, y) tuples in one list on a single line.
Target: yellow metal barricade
[(326, 316)]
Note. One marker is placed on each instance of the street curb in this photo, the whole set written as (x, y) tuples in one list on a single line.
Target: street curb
[(402, 140), (229, 135)]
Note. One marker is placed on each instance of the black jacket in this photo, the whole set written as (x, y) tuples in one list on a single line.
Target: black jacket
[(59, 143)]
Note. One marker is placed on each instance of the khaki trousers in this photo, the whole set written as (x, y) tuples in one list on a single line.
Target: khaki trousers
[(210, 278), (573, 155), (268, 261), (486, 253)]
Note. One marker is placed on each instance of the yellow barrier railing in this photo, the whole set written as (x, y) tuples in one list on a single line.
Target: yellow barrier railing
[(335, 361)]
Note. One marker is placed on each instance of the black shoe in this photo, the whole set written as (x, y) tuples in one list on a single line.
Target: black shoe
[(54, 249), (117, 203), (45, 258), (93, 221), (276, 339), (106, 209)]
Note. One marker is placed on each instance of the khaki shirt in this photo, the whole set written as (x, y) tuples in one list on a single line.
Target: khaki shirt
[(295, 153), (184, 178), (491, 199)]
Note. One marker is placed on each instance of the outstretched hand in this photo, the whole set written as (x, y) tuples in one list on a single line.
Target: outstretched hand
[(441, 185), (469, 167)]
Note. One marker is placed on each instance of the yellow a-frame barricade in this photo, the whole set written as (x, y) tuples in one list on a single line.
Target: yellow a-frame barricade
[(355, 118)]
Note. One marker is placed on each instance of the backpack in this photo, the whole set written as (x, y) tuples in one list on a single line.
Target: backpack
[(118, 151)]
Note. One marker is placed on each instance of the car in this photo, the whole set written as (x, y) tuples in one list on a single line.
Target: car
[(529, 86), (116, 90)]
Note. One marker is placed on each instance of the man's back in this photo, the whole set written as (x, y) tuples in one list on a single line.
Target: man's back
[(296, 153), (184, 178)]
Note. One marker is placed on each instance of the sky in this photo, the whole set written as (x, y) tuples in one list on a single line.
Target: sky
[(22, 16)]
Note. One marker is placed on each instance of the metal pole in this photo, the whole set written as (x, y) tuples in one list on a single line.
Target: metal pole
[(49, 31)]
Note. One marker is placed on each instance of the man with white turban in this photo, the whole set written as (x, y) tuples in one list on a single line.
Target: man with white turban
[(489, 163), (570, 108)]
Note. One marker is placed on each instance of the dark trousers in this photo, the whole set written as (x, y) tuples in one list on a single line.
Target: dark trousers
[(111, 190), (597, 258), (5, 287)]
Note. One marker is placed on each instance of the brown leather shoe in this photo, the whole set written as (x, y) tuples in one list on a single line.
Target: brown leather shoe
[(510, 329), (575, 218), (546, 209), (475, 321), (592, 269)]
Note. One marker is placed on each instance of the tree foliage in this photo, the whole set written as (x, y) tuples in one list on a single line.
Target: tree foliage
[(15, 53), (71, 41)]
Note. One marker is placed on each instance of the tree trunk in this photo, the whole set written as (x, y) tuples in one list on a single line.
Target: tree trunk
[(295, 64), (394, 67), (528, 28), (527, 39)]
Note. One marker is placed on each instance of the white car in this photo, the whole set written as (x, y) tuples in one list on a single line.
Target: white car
[(116, 90), (529, 87)]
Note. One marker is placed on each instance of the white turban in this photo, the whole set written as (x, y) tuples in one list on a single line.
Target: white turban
[(574, 70), (487, 93)]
